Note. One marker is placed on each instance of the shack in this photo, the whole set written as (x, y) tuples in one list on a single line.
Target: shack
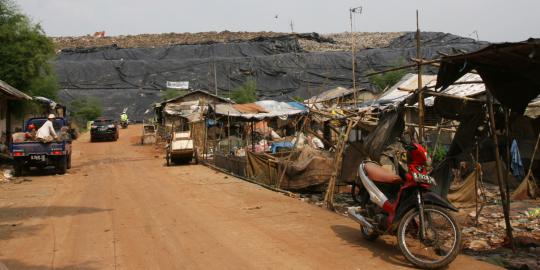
[(8, 95), (255, 140), (186, 113)]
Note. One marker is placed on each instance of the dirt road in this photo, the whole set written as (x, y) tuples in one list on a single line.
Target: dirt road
[(119, 207)]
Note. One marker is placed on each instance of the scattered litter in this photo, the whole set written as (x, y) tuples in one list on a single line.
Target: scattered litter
[(253, 207), (477, 245)]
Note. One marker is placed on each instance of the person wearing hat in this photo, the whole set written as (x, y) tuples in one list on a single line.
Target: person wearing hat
[(46, 132)]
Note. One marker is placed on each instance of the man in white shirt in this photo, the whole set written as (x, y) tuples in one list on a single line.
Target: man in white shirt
[(46, 132)]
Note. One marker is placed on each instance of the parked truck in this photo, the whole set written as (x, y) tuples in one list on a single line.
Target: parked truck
[(29, 153)]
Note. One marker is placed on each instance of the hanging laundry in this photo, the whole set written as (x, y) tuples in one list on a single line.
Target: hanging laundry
[(516, 164)]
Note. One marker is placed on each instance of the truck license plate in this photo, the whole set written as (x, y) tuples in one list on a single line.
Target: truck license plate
[(37, 157)]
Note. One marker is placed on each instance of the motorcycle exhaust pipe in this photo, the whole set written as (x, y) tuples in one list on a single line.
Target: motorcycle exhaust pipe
[(359, 218)]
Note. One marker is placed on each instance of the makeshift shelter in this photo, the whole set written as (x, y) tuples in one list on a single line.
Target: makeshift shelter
[(338, 97), (186, 112), (257, 141), (510, 72), (8, 94)]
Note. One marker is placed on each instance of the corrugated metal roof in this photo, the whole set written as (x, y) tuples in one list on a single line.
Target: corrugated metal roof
[(330, 94), (409, 81), (462, 90), (13, 92), (225, 100), (273, 109)]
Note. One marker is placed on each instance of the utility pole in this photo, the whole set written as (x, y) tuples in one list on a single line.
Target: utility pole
[(420, 86), (353, 49)]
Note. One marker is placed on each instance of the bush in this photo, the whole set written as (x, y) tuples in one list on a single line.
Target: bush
[(246, 93), (172, 93), (84, 110), (387, 79)]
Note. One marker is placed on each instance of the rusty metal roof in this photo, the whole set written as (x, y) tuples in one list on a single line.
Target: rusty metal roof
[(12, 92)]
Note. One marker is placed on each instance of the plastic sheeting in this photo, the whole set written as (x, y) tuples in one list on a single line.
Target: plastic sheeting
[(133, 78), (267, 109)]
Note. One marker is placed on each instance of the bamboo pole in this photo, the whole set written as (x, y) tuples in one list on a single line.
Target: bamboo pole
[(288, 160), (422, 63), (533, 155), (353, 56), (504, 196), (421, 109), (338, 158)]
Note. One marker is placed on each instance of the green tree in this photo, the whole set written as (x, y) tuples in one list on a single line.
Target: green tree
[(172, 93), (25, 53), (245, 93), (387, 79), (84, 110)]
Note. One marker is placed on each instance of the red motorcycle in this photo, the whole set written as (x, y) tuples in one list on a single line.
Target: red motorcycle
[(428, 236)]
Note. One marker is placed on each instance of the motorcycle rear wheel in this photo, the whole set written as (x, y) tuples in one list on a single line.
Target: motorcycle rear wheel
[(443, 242)]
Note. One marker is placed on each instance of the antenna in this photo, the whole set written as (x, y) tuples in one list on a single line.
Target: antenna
[(292, 26)]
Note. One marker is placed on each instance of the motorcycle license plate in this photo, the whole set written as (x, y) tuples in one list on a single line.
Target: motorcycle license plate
[(37, 157)]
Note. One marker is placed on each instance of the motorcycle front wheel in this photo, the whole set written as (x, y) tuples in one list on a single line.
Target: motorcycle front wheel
[(440, 244)]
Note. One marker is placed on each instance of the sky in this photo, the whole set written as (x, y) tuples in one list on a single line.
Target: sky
[(490, 20)]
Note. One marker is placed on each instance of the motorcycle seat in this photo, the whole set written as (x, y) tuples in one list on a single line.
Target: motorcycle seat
[(378, 174)]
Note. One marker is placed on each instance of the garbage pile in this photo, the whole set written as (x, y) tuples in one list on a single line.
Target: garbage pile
[(490, 233), (339, 41), (6, 173), (343, 41), (156, 40)]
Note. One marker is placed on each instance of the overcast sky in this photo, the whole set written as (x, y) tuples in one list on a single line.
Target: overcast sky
[(493, 20)]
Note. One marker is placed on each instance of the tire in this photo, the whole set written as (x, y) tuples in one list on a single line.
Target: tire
[(370, 235), (92, 139), (18, 169), (168, 158), (61, 165), (402, 233), (69, 162)]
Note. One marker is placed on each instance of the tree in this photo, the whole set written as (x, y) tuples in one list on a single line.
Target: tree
[(246, 93), (25, 53), (172, 93), (84, 110), (388, 79)]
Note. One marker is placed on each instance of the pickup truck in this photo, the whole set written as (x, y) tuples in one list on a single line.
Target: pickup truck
[(32, 153)]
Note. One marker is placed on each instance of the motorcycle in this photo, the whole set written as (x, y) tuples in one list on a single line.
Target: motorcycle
[(124, 124), (428, 236)]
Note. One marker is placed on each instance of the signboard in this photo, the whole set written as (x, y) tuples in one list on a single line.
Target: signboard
[(178, 85)]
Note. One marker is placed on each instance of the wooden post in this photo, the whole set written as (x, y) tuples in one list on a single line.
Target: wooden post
[(504, 196), (288, 160), (421, 108), (476, 179), (353, 56), (229, 131), (507, 185), (338, 158)]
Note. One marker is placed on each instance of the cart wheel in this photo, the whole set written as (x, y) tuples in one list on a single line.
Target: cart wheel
[(168, 158)]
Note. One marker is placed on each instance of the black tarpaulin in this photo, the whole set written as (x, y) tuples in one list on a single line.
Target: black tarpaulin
[(134, 77), (511, 71)]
